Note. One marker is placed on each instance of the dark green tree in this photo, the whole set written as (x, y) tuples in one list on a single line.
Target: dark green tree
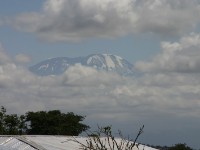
[(47, 123), (2, 118), (54, 123), (11, 124), (22, 127), (180, 147)]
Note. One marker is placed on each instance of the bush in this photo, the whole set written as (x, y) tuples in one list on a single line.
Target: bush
[(103, 139), (180, 147)]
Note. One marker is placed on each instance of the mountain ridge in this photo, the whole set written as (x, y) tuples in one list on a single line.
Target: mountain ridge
[(103, 62)]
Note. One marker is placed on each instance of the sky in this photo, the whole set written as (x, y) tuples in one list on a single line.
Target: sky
[(160, 37)]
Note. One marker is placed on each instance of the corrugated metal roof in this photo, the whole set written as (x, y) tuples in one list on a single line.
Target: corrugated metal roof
[(12, 143), (42, 142)]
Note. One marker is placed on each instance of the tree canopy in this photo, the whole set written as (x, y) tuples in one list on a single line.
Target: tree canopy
[(55, 123), (41, 123), (180, 146)]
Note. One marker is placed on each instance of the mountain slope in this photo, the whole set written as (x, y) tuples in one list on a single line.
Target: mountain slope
[(103, 62)]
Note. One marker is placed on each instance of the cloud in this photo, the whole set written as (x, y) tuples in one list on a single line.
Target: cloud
[(99, 94), (1, 22), (168, 17), (4, 58), (73, 20), (92, 92), (66, 20), (159, 99), (182, 56), (22, 58)]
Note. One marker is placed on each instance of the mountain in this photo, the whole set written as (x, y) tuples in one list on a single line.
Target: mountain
[(103, 62)]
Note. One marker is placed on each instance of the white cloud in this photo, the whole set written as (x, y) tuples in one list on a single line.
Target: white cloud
[(22, 58), (104, 97), (168, 17), (1, 23), (66, 20), (4, 59), (88, 91), (73, 20), (182, 56)]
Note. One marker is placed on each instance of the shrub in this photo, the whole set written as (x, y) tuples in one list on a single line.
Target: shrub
[(103, 139)]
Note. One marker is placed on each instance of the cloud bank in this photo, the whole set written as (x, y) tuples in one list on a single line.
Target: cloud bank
[(182, 57), (161, 95), (22, 58), (67, 20)]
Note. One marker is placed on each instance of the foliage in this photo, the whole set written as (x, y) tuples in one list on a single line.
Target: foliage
[(180, 147), (47, 123), (103, 139), (10, 124), (175, 147), (2, 117), (55, 123)]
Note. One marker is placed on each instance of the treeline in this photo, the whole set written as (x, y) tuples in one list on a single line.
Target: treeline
[(41, 123), (179, 146)]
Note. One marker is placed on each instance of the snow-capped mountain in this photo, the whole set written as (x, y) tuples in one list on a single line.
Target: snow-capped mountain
[(103, 62)]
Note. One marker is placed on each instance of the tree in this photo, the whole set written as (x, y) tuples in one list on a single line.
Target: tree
[(22, 125), (11, 124), (2, 118), (180, 147), (47, 123), (54, 123)]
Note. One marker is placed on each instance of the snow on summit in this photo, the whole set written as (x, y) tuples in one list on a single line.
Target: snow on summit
[(103, 62), (109, 61)]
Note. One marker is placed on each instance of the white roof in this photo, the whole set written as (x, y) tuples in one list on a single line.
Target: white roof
[(43, 142), (12, 143)]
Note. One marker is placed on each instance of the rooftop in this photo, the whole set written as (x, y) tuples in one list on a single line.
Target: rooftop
[(43, 142)]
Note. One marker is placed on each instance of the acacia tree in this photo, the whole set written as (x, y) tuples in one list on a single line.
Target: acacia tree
[(47, 123), (55, 123)]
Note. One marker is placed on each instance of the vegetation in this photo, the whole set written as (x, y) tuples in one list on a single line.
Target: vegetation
[(44, 123), (56, 123), (10, 124), (179, 146), (103, 139)]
